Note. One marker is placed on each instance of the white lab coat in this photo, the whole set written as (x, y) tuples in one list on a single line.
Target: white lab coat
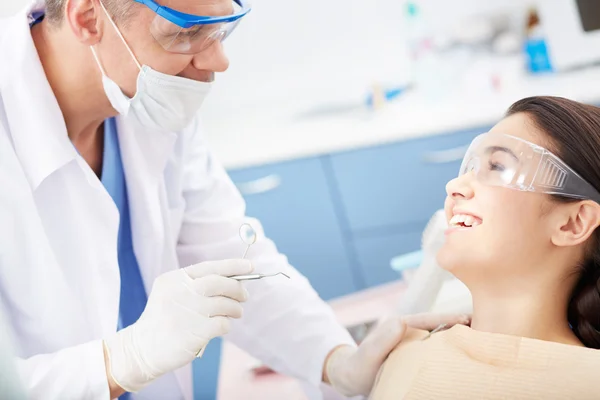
[(59, 275)]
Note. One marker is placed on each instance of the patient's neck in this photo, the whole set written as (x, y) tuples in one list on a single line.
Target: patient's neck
[(538, 313)]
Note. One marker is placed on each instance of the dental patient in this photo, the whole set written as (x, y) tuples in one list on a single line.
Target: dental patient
[(524, 215)]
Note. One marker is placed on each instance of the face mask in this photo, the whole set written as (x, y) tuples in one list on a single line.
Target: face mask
[(162, 102)]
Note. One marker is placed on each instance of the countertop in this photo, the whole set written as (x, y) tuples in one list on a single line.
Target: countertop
[(259, 138)]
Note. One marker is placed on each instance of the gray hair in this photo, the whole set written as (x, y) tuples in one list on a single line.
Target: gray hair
[(118, 9)]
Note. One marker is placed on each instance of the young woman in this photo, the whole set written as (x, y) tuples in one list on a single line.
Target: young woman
[(523, 216)]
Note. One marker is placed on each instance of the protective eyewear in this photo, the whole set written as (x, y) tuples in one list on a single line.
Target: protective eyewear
[(182, 33), (508, 161)]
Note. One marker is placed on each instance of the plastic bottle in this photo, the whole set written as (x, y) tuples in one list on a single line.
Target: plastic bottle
[(423, 61), (535, 47), (414, 37)]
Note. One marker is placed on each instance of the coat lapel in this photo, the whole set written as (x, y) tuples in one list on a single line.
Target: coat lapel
[(145, 154)]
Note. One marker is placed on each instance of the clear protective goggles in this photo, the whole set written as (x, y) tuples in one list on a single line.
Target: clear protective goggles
[(182, 33), (502, 160)]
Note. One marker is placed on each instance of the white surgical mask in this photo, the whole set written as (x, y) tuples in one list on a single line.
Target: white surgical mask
[(163, 102)]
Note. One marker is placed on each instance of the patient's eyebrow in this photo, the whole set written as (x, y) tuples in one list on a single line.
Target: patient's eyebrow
[(493, 149)]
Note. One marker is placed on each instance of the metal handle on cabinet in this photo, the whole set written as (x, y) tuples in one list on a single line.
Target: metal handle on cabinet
[(259, 186), (445, 156)]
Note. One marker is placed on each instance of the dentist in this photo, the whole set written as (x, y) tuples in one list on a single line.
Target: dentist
[(118, 229)]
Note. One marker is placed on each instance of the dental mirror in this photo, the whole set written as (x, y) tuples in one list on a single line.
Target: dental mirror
[(248, 236)]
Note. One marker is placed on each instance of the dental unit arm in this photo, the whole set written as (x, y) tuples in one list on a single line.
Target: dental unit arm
[(430, 279)]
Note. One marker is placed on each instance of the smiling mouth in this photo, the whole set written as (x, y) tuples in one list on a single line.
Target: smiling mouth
[(464, 221)]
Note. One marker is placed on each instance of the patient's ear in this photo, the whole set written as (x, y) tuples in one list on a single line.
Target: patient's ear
[(575, 222)]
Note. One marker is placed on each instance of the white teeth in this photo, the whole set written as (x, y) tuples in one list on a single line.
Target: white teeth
[(463, 219), (455, 220)]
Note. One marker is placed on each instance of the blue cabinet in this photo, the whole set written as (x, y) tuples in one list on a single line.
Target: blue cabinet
[(374, 254), (205, 371), (293, 201), (398, 185)]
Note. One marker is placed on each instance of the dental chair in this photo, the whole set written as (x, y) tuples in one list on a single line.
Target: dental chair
[(431, 288)]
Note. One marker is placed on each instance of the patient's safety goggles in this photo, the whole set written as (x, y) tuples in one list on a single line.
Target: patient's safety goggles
[(508, 161), (182, 33)]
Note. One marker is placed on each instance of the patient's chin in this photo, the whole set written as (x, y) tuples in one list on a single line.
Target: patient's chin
[(459, 264), (448, 259)]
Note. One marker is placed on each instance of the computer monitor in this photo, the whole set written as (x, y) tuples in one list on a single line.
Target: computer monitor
[(572, 32), (589, 14)]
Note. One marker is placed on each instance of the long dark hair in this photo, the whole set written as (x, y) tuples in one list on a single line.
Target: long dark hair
[(573, 130)]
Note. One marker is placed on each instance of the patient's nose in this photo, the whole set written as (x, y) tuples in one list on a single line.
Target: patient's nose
[(460, 187)]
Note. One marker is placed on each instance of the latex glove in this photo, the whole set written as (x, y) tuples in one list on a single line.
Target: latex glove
[(352, 370), (186, 309)]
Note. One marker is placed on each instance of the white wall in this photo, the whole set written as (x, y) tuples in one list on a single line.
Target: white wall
[(291, 52), (9, 7), (289, 55)]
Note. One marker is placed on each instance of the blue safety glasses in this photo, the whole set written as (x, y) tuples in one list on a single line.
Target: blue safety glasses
[(182, 33)]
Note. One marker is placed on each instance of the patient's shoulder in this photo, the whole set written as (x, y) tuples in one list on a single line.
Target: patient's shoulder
[(409, 350), (413, 335), (402, 366)]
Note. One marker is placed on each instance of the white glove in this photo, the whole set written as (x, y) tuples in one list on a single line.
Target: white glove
[(352, 370), (186, 309)]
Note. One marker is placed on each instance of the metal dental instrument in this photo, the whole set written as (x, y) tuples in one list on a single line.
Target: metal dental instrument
[(249, 236), (439, 328), (253, 277)]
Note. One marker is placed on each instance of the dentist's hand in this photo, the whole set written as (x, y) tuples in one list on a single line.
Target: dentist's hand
[(352, 370), (186, 309)]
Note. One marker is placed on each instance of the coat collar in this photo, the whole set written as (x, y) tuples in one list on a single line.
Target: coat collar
[(34, 118), (36, 123)]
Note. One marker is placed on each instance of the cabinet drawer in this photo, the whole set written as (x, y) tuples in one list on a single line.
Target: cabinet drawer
[(375, 254), (399, 184), (292, 200)]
